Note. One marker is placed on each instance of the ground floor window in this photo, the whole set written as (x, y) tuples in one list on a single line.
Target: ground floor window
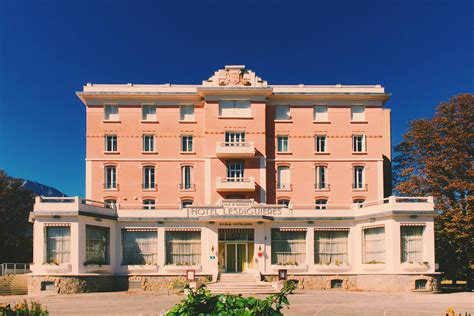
[(58, 244), (330, 247), (183, 247), (139, 247), (374, 245), (288, 247), (411, 240), (97, 245)]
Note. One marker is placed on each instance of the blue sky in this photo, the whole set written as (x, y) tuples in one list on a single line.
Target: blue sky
[(421, 51)]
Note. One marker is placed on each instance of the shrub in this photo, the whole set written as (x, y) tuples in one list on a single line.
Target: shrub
[(23, 309), (203, 302)]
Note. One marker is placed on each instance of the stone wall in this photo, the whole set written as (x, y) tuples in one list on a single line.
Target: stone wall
[(89, 284), (378, 283)]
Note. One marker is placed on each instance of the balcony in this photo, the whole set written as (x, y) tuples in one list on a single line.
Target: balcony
[(235, 149), (244, 184)]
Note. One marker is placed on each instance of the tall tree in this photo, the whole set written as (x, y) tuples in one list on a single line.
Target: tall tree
[(15, 231), (436, 158)]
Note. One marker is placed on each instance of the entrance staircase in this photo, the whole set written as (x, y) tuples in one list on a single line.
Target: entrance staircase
[(240, 283), (14, 284)]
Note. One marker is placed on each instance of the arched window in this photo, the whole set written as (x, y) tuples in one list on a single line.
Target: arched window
[(283, 174), (321, 178), (321, 204), (359, 182), (110, 177), (186, 203), (285, 202), (110, 203), (186, 181), (148, 204), (148, 177)]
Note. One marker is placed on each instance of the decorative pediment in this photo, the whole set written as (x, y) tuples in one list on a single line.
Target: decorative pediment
[(234, 76)]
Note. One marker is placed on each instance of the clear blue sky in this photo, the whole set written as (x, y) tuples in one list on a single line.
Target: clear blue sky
[(421, 51)]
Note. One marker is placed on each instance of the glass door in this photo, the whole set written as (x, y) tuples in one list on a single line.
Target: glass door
[(236, 257), (230, 262)]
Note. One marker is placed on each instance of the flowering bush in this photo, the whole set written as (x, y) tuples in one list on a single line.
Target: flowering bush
[(23, 309), (203, 302)]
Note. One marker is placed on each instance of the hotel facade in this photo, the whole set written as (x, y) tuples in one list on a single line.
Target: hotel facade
[(235, 176)]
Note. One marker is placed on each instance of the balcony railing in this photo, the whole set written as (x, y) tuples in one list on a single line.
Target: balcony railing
[(322, 186), (149, 186), (284, 186), (187, 186), (235, 149), (235, 184), (111, 186), (360, 186)]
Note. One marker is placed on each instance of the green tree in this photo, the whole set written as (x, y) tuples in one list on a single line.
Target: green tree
[(436, 158), (16, 203)]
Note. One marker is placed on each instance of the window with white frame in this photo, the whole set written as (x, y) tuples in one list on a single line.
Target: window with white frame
[(285, 202), (186, 112), (148, 177), (321, 178), (374, 245), (282, 112), (282, 141), (320, 143), (110, 203), (284, 180), (97, 245), (358, 177), (288, 247), (148, 112), (111, 112), (358, 113), (185, 203), (110, 177), (235, 108), (186, 183), (320, 113), (320, 204), (331, 247), (183, 247), (111, 143), (234, 138), (411, 240), (235, 171), (139, 247), (186, 143), (148, 204), (149, 143), (358, 143), (58, 244)]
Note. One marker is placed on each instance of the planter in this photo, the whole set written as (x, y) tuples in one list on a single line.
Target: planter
[(57, 268), (182, 269), (333, 267), (141, 268), (415, 267), (291, 268), (93, 268)]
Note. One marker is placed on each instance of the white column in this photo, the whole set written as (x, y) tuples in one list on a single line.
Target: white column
[(161, 247), (310, 247), (259, 239)]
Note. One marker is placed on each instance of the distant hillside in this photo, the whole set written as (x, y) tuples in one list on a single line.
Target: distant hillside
[(41, 189)]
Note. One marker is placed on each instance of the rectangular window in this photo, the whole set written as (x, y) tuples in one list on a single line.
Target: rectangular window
[(149, 112), (111, 112), (374, 245), (58, 244), (411, 243), (321, 204), (284, 181), (186, 177), (111, 143), (148, 178), (358, 177), (110, 177), (149, 143), (139, 247), (234, 138), (235, 108), (330, 247), (97, 245), (187, 143), (148, 204), (183, 248), (235, 171), (288, 247), (321, 175), (320, 113), (282, 112), (358, 143), (186, 113), (320, 143), (282, 144), (358, 113)]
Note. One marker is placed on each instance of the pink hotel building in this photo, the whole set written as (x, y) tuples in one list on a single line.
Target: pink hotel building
[(236, 177)]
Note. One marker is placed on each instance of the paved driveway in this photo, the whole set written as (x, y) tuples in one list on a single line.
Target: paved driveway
[(308, 303)]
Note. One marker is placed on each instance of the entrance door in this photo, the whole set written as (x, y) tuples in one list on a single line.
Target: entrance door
[(236, 256)]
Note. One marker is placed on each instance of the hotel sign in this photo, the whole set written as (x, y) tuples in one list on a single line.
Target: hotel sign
[(236, 208)]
